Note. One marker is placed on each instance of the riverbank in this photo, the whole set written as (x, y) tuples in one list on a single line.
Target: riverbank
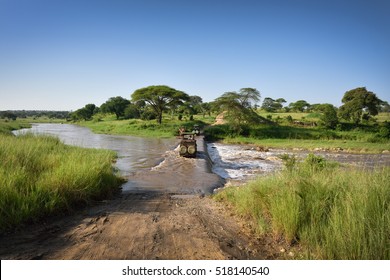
[(142, 128), (168, 221), (318, 210), (364, 139), (334, 145), (371, 138), (40, 176), (6, 127)]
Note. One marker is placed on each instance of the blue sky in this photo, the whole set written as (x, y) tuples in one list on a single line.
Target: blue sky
[(61, 55)]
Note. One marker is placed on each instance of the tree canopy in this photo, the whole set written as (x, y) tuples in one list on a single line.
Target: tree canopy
[(84, 113), (239, 106), (160, 98), (300, 105), (116, 105), (329, 115), (271, 105), (359, 103)]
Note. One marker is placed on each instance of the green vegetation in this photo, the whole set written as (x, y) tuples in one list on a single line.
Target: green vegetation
[(304, 130), (160, 98), (320, 210), (7, 126), (361, 124), (144, 128), (40, 176), (359, 104)]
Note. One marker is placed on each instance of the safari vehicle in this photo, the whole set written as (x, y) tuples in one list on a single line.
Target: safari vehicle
[(188, 146), (196, 130)]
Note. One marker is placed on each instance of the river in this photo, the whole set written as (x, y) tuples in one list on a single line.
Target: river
[(154, 164), (150, 164)]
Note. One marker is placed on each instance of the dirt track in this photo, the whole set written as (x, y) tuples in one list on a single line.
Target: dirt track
[(171, 220), (140, 226)]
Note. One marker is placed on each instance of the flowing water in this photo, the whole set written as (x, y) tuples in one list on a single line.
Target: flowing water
[(238, 163), (147, 163), (154, 164)]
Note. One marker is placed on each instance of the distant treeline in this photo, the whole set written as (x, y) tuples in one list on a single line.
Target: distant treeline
[(22, 114)]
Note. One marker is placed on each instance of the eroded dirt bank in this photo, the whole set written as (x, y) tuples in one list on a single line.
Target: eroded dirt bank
[(140, 226)]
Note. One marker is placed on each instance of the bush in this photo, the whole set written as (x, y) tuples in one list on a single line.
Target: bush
[(316, 162), (329, 117), (289, 161), (148, 115)]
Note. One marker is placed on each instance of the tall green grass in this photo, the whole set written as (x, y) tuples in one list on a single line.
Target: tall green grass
[(7, 126), (135, 127), (356, 140), (40, 176), (332, 213)]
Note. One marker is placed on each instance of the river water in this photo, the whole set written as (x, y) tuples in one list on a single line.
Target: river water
[(239, 163), (154, 164), (147, 163)]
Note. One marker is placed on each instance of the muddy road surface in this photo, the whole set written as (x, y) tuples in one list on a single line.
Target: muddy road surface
[(146, 225), (163, 212)]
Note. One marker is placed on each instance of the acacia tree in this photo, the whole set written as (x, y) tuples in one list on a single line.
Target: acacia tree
[(248, 95), (300, 105), (116, 105), (160, 98), (239, 106), (84, 113), (359, 103), (271, 105)]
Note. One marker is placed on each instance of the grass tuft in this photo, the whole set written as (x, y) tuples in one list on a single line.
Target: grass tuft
[(41, 176), (332, 213)]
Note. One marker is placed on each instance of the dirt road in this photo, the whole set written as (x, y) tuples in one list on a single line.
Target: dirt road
[(140, 226), (162, 213)]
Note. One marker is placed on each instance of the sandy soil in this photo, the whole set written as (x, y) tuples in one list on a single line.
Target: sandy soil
[(140, 226)]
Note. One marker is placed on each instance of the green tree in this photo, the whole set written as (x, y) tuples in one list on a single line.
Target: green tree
[(271, 105), (300, 105), (267, 105), (239, 107), (132, 111), (329, 115), (281, 100), (359, 102), (9, 115), (385, 107), (116, 105), (196, 104), (247, 96), (160, 98), (84, 113)]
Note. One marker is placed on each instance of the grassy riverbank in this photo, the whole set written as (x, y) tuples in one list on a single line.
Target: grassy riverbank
[(322, 212), (7, 126), (41, 176), (364, 139), (144, 128), (361, 139), (312, 145)]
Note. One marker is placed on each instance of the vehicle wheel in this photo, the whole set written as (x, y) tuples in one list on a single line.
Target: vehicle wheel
[(191, 150), (183, 150)]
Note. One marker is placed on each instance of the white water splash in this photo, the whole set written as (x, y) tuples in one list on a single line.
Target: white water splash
[(237, 162)]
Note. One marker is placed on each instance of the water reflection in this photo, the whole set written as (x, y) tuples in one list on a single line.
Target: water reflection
[(134, 153)]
